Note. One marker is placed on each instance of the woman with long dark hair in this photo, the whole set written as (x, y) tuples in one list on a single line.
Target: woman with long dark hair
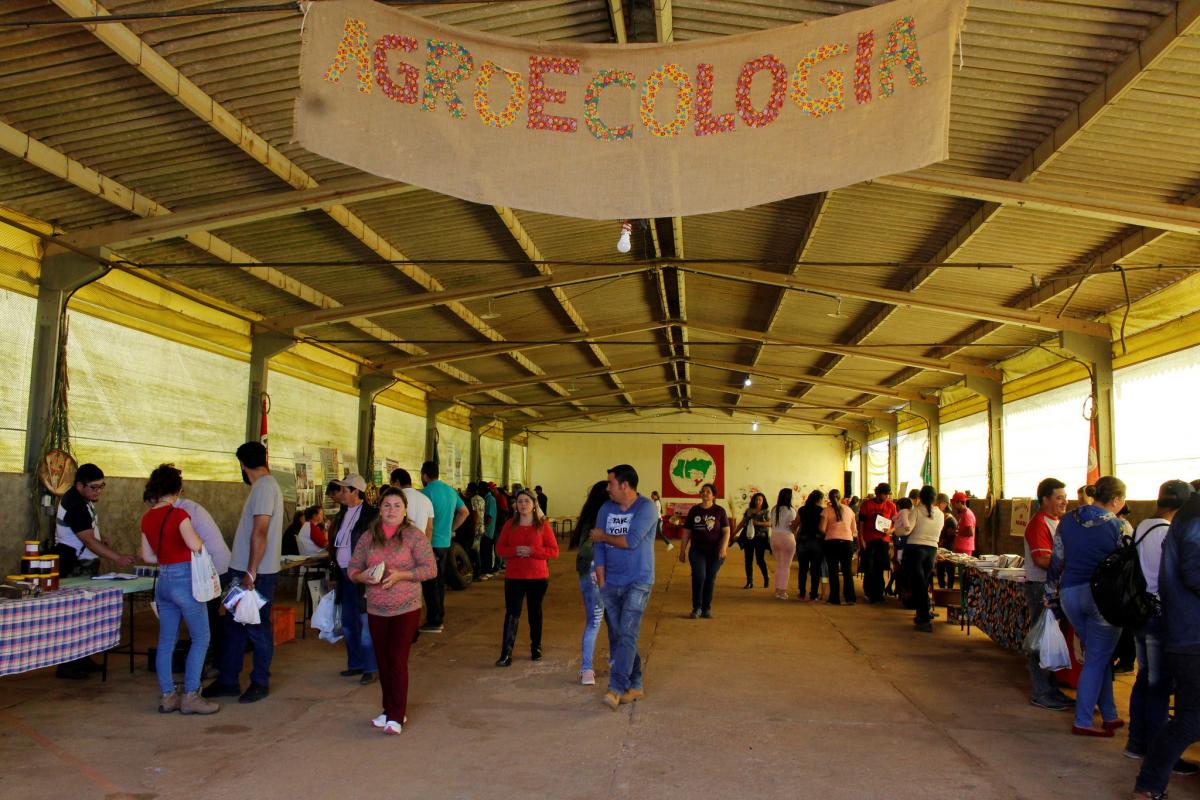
[(783, 540), (808, 543), (593, 606), (526, 543), (837, 526), (756, 530), (920, 552), (168, 539), (705, 543), (393, 597)]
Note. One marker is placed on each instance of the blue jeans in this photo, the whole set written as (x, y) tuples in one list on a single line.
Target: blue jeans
[(261, 636), (173, 594), (1151, 697), (1099, 640), (1180, 731), (360, 651), (593, 612), (624, 606)]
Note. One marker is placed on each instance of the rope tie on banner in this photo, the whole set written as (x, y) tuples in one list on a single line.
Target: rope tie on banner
[(960, 50), (305, 6)]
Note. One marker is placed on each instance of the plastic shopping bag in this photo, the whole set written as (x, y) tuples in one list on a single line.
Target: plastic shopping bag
[(327, 618), (206, 583), (247, 608), (1053, 645), (1033, 639)]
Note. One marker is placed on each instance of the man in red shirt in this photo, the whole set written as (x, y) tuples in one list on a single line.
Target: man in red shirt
[(1039, 545), (875, 524)]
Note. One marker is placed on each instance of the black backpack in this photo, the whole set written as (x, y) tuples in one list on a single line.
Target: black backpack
[(1119, 587)]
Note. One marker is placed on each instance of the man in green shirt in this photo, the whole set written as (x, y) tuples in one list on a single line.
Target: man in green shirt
[(449, 511)]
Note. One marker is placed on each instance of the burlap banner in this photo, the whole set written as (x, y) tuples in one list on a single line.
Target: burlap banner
[(629, 131)]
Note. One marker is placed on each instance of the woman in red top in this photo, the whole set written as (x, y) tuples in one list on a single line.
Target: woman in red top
[(528, 542), (169, 540), (393, 597)]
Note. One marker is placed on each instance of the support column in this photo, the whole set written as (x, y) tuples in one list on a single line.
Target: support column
[(993, 392), (891, 428), (507, 433), (62, 275), (262, 347), (477, 426), (932, 416), (369, 386), (432, 409), (1098, 353), (861, 440)]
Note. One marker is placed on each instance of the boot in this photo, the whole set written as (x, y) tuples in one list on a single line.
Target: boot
[(169, 702), (535, 651), (510, 638), (194, 703)]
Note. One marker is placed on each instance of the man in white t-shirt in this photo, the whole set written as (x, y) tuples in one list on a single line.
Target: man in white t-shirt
[(1150, 700), (420, 507)]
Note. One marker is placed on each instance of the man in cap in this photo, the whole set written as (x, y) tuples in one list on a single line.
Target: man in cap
[(349, 525), (449, 511)]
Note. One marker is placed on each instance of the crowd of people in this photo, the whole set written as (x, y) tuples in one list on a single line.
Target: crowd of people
[(389, 560)]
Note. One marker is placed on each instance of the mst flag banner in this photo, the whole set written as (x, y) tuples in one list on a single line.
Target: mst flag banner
[(629, 131)]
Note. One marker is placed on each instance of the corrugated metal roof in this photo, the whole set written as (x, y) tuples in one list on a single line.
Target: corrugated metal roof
[(1025, 68)]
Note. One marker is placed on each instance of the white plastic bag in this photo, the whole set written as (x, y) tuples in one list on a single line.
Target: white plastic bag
[(327, 618), (1033, 639), (1053, 646), (206, 584), (247, 608)]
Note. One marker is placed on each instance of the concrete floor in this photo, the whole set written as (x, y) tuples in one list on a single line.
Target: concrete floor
[(769, 699)]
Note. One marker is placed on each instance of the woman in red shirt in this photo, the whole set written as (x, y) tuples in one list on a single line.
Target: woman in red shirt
[(528, 542), (393, 597), (169, 540)]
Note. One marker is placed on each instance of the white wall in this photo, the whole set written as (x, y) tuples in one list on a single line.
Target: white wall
[(566, 464)]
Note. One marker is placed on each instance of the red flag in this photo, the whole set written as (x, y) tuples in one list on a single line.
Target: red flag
[(262, 428), (1093, 457)]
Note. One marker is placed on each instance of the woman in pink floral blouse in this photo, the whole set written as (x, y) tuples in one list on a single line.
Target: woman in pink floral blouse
[(393, 597)]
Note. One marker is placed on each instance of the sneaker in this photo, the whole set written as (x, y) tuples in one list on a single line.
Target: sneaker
[(695, 613), (368, 678), (379, 721), (587, 677), (1185, 767), (1062, 698), (612, 699), (169, 702), (1050, 703), (193, 703), (254, 693), (431, 629), (392, 728), (350, 673), (670, 546), (221, 690), (1133, 754), (632, 695), (706, 615)]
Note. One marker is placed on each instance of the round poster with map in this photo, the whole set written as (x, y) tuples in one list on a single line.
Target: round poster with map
[(690, 467)]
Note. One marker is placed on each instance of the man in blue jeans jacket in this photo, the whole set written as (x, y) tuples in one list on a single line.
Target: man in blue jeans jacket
[(624, 559), (1179, 589)]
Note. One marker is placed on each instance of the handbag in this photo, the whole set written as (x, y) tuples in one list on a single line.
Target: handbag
[(206, 584)]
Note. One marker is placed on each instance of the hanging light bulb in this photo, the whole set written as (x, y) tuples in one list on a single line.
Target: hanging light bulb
[(754, 425), (624, 245), (747, 383)]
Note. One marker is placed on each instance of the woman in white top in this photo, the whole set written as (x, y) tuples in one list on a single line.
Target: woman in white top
[(837, 526), (920, 552), (783, 540), (311, 539)]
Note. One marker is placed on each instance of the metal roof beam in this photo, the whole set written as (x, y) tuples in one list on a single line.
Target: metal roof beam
[(579, 398), (455, 392), (952, 366), (466, 353), (929, 302), (739, 391), (861, 388), (239, 211)]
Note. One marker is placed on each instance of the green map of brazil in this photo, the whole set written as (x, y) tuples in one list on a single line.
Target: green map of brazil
[(694, 469)]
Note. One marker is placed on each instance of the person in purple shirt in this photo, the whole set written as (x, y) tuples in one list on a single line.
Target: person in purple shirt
[(624, 559)]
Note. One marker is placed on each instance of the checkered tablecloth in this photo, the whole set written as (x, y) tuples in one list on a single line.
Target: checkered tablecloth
[(58, 627)]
